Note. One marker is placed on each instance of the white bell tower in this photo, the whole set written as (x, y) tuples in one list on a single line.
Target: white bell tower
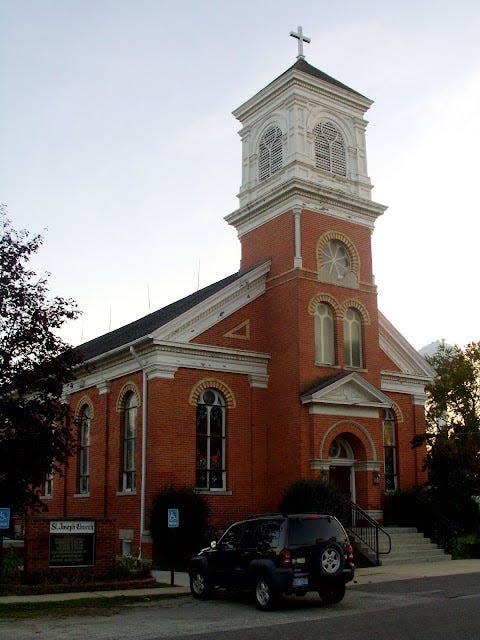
[(303, 145)]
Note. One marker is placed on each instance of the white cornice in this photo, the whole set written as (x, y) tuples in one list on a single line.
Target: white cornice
[(313, 197), (162, 360), (413, 385)]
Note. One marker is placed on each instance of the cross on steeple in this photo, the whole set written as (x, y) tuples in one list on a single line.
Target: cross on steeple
[(301, 39)]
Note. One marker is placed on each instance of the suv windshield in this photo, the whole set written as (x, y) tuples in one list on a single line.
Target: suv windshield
[(307, 530)]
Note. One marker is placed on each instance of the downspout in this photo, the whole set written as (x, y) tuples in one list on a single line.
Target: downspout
[(144, 447)]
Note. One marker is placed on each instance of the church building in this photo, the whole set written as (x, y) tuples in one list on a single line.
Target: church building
[(284, 370)]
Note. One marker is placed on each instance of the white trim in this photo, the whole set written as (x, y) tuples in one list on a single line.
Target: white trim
[(358, 426), (401, 352), (218, 306)]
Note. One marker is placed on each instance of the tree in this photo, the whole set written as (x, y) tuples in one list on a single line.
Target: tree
[(304, 496), (453, 431), (36, 434), (177, 545)]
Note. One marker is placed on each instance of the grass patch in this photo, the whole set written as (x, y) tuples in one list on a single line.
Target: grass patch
[(98, 606)]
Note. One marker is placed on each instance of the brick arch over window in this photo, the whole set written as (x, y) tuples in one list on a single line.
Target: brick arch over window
[(397, 413), (129, 387), (84, 400), (341, 237), (212, 383), (323, 297), (353, 303), (343, 428)]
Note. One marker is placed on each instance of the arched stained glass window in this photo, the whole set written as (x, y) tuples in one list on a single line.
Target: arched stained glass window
[(352, 337), (329, 149), (129, 441), (390, 450), (324, 334), (84, 449), (270, 157), (210, 441)]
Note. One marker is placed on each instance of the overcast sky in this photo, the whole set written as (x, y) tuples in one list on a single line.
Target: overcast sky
[(117, 139)]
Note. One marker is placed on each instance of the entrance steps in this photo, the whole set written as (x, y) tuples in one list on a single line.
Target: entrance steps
[(409, 546)]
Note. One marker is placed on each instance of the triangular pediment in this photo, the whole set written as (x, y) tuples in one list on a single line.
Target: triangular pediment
[(349, 390)]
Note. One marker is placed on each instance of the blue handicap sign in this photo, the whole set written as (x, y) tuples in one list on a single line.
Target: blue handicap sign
[(4, 517), (173, 518)]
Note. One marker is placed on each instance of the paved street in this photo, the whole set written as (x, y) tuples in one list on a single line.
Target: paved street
[(440, 608)]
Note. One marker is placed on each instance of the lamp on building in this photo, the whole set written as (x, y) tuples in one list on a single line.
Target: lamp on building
[(376, 477)]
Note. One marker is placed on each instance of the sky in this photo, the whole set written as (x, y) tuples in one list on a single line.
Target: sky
[(117, 143)]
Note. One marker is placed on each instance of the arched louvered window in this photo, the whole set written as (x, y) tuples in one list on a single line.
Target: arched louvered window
[(270, 153), (352, 337), (210, 441), (129, 441), (330, 149), (84, 449), (324, 335)]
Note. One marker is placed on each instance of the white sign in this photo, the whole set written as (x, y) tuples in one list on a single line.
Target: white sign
[(72, 526)]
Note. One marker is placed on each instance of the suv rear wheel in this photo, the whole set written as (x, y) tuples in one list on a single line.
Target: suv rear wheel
[(199, 585), (333, 593), (266, 596)]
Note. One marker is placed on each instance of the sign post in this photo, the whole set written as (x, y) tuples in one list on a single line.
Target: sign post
[(173, 523)]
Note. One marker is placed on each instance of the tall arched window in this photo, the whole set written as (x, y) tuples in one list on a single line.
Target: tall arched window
[(390, 450), (352, 338), (324, 334), (329, 149), (210, 441), (129, 441), (85, 416), (270, 153)]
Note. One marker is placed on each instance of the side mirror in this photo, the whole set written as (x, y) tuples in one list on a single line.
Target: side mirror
[(213, 544)]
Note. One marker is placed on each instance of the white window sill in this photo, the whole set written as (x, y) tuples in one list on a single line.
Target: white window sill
[(81, 495), (127, 493)]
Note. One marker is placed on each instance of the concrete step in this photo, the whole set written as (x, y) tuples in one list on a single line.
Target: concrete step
[(409, 546)]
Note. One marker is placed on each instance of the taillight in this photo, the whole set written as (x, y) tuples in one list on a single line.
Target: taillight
[(285, 557), (349, 551)]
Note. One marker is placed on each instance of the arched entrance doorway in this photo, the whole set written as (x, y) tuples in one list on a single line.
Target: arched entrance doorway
[(341, 461)]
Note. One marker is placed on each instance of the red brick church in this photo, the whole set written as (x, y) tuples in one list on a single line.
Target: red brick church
[(283, 370)]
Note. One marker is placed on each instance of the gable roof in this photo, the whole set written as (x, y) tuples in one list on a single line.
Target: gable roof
[(345, 389), (148, 324), (305, 67)]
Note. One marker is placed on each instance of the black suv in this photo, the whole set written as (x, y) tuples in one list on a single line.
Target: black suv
[(276, 554)]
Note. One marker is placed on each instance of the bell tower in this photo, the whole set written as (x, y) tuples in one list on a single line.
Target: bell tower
[(303, 148)]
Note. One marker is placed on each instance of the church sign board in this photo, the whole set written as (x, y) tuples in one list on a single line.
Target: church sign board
[(72, 543)]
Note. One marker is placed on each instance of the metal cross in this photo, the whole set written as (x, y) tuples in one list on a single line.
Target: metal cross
[(301, 39)]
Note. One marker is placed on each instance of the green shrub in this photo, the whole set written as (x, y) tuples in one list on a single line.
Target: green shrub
[(174, 547), (130, 567), (305, 496), (466, 547), (11, 568)]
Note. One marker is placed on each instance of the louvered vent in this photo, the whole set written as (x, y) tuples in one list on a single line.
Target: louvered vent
[(330, 149), (270, 153)]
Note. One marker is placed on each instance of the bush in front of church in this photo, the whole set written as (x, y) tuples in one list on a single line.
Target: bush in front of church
[(307, 496), (174, 546)]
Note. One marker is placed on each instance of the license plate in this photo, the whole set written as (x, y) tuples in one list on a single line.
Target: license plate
[(300, 581)]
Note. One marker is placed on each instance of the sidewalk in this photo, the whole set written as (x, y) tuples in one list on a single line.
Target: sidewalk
[(363, 576)]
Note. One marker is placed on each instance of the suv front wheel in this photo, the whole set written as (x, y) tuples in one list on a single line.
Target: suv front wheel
[(266, 596), (199, 585)]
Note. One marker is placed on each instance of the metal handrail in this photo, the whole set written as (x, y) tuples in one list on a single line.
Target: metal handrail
[(366, 529)]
